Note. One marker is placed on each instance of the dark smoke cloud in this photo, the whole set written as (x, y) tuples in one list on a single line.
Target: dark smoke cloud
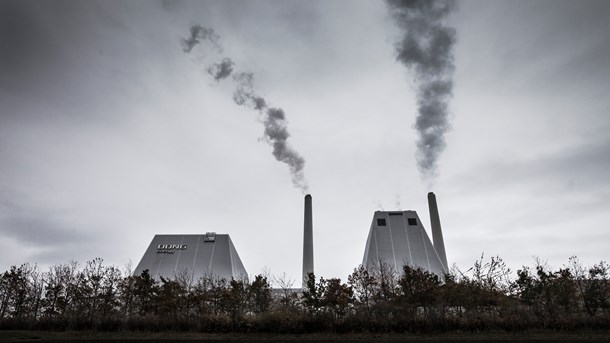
[(276, 126), (426, 49), (198, 34), (276, 131), (277, 135), (244, 92), (221, 70)]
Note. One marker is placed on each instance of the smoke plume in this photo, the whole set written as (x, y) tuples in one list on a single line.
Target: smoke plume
[(276, 127), (426, 49), (276, 131), (221, 70), (198, 34)]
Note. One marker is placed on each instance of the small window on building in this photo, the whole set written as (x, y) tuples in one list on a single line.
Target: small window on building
[(412, 221), (210, 237), (380, 222)]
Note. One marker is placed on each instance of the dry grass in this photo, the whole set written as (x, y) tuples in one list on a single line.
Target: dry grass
[(89, 336)]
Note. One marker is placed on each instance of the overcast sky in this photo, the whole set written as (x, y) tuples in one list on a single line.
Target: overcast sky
[(111, 133)]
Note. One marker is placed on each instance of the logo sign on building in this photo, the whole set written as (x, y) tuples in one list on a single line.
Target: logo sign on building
[(170, 248)]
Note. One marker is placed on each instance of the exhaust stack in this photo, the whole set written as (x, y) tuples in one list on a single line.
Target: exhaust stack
[(307, 241), (437, 233)]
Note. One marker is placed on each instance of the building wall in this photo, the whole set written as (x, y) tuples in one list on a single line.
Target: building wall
[(197, 255), (399, 238)]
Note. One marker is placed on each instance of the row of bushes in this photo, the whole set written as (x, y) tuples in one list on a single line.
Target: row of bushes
[(486, 297)]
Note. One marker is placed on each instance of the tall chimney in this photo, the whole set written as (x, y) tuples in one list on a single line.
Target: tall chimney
[(437, 233), (307, 241)]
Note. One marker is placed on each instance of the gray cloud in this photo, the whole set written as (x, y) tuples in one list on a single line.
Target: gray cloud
[(36, 226), (171, 5), (106, 139), (38, 230), (580, 168), (27, 45), (426, 48)]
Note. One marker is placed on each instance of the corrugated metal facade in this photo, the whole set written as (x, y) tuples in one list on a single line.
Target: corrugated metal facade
[(398, 239), (211, 255)]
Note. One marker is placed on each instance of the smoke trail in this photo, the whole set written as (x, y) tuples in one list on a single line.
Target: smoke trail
[(199, 33), (426, 49), (221, 70), (277, 135), (276, 131), (244, 92)]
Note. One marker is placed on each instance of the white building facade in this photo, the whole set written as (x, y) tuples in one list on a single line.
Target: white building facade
[(398, 238), (210, 255)]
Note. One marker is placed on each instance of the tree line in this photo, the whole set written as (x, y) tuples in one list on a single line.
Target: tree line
[(485, 297)]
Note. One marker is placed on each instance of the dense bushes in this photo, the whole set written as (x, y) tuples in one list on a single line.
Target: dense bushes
[(486, 297)]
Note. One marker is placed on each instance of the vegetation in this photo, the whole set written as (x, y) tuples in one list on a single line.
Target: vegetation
[(484, 298)]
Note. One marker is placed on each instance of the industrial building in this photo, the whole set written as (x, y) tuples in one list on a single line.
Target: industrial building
[(210, 255), (398, 238)]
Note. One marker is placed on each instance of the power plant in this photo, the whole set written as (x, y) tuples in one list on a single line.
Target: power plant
[(210, 255), (395, 239), (398, 238)]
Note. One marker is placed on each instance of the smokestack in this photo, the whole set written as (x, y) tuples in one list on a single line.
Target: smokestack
[(307, 241), (437, 233)]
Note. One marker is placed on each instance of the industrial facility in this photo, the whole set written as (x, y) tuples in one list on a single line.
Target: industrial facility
[(210, 255), (398, 238)]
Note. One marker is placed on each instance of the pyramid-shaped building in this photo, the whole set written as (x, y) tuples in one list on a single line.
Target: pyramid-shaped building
[(210, 255), (398, 238)]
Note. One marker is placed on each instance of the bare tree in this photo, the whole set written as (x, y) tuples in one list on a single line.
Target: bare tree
[(363, 285), (288, 299)]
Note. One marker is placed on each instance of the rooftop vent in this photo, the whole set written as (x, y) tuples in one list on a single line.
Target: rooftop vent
[(210, 237)]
